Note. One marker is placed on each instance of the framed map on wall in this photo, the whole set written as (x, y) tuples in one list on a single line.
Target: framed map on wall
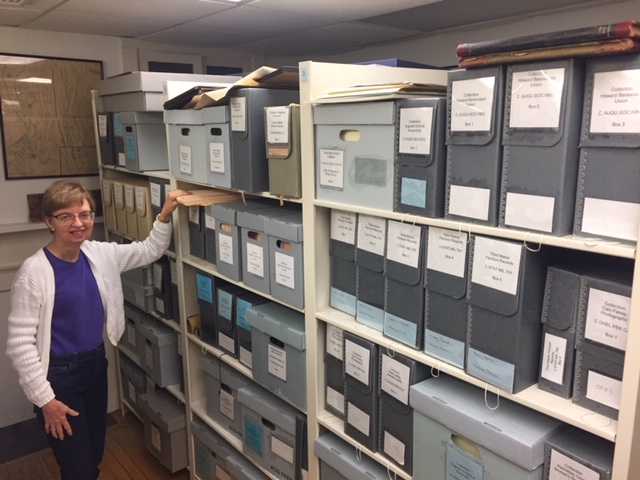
[(46, 116)]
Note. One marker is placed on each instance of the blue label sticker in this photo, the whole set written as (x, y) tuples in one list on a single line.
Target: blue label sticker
[(370, 316), (490, 369), (225, 305), (118, 130), (203, 465), (253, 435), (130, 146), (205, 291), (462, 466), (444, 348), (400, 329), (343, 301), (414, 192), (241, 313)]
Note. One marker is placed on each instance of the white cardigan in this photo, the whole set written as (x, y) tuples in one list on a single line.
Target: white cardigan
[(32, 298)]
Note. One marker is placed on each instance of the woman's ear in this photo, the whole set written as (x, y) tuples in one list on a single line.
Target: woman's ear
[(49, 223)]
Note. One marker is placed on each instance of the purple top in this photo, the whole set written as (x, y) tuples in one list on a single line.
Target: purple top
[(78, 313)]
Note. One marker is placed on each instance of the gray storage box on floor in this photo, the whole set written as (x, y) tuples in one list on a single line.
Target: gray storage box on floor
[(456, 433), (211, 451), (286, 258), (249, 165), (340, 461), (282, 133), (133, 384), (222, 383), (165, 429), (355, 169), (270, 437), (578, 454), (218, 145), (158, 351), (139, 295), (279, 357), (145, 141), (187, 146)]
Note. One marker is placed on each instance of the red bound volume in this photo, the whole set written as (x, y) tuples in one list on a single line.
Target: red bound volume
[(628, 29)]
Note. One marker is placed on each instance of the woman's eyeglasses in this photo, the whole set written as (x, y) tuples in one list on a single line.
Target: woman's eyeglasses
[(69, 218)]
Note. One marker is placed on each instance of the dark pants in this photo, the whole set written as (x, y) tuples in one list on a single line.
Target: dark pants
[(79, 380)]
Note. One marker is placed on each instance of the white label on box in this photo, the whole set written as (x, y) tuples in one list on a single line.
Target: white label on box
[(277, 124), (132, 392), (403, 243), (122, 160), (155, 194), (536, 98), (128, 197), (553, 358), (246, 357), (334, 341), (343, 226), (238, 109), (604, 390), (533, 212), (395, 379), (225, 248), (102, 126), (358, 419), (614, 108), (285, 275), (227, 343), (140, 199), (255, 259), (148, 355), (118, 194), (194, 214), (607, 319), (394, 448), (277, 362), (415, 130), (227, 405), (185, 159), (611, 219), (356, 361), (131, 335), (106, 193), (160, 305), (216, 157), (335, 399), (447, 251), (469, 202), (174, 272), (332, 168), (209, 220), (282, 449), (496, 264), (562, 467), (157, 276), (472, 104), (156, 438), (222, 474), (371, 234)]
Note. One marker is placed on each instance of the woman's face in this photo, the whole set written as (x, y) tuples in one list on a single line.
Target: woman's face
[(76, 232)]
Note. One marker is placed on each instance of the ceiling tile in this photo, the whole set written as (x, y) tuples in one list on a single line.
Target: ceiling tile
[(197, 37), (14, 17)]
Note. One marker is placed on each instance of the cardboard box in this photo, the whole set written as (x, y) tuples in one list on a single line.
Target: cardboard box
[(108, 205), (145, 141), (543, 108), (343, 285), (286, 258), (158, 190), (130, 209), (133, 383), (474, 148), (355, 168), (118, 203), (118, 139), (575, 453), (249, 165), (210, 451), (245, 345), (278, 342), (157, 348), (361, 390), (343, 234), (607, 197), (139, 295), (421, 156), (226, 318), (370, 247), (597, 384), (445, 305), (282, 134), (197, 232), (216, 121), (132, 316), (106, 139), (187, 145), (505, 295), (206, 290), (340, 461), (334, 371), (165, 429), (239, 467), (209, 235), (404, 278), (455, 432), (162, 289)]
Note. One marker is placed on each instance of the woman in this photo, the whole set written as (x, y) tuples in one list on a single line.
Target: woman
[(60, 300)]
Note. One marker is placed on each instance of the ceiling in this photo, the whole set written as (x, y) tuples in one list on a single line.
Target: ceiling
[(274, 28)]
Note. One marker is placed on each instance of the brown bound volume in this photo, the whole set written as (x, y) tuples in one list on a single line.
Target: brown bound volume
[(587, 49), (628, 29)]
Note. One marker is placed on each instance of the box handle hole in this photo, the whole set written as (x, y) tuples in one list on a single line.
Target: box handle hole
[(350, 135)]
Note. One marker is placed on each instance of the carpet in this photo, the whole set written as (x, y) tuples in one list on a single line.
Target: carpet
[(25, 438)]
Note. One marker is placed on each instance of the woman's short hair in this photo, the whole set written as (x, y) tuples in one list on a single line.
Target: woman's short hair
[(63, 194)]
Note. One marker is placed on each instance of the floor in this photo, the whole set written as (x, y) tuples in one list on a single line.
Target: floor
[(126, 458)]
